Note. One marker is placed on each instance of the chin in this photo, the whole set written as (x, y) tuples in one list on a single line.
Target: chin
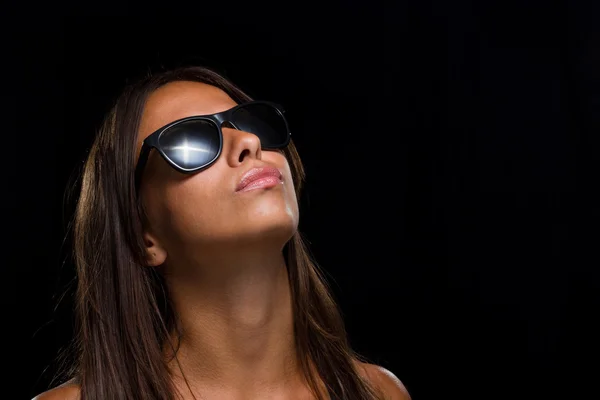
[(274, 208), (274, 221), (278, 222), (270, 214)]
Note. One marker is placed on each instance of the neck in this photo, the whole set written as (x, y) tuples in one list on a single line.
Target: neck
[(236, 323)]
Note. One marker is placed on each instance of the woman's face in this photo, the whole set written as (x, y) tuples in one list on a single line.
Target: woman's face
[(203, 212)]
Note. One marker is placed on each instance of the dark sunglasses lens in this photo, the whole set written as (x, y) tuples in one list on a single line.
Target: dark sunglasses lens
[(265, 122), (191, 144)]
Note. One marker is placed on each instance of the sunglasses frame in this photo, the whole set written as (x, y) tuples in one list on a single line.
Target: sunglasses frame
[(152, 141)]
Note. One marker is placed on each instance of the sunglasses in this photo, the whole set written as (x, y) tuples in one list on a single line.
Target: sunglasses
[(194, 143)]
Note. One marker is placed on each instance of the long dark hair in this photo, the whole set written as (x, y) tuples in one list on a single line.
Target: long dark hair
[(123, 314)]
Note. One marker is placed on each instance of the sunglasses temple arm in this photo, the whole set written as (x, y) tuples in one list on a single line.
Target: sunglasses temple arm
[(141, 165)]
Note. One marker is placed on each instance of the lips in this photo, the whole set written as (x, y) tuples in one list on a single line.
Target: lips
[(259, 177)]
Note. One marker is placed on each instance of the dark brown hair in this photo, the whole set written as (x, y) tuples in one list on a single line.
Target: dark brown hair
[(122, 310)]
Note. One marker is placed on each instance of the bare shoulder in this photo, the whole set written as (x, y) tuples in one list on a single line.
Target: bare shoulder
[(384, 380), (67, 391)]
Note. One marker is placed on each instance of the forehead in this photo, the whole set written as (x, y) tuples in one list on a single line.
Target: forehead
[(182, 99)]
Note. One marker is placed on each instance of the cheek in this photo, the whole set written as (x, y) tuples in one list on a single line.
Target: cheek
[(184, 209), (194, 206), (290, 194), (292, 205), (290, 190)]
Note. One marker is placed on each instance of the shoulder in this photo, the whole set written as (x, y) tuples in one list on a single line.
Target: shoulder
[(67, 391), (384, 381)]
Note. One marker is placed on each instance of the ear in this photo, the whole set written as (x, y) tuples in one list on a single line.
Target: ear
[(156, 254)]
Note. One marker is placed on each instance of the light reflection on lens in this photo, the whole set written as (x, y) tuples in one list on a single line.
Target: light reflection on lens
[(191, 144)]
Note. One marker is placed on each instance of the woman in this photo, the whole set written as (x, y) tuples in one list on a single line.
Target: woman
[(193, 281)]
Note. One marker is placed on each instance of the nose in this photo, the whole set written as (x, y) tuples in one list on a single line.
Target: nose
[(243, 145)]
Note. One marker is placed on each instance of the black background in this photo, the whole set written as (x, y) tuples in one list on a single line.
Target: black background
[(450, 150)]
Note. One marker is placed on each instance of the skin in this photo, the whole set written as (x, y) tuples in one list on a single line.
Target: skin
[(222, 254)]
